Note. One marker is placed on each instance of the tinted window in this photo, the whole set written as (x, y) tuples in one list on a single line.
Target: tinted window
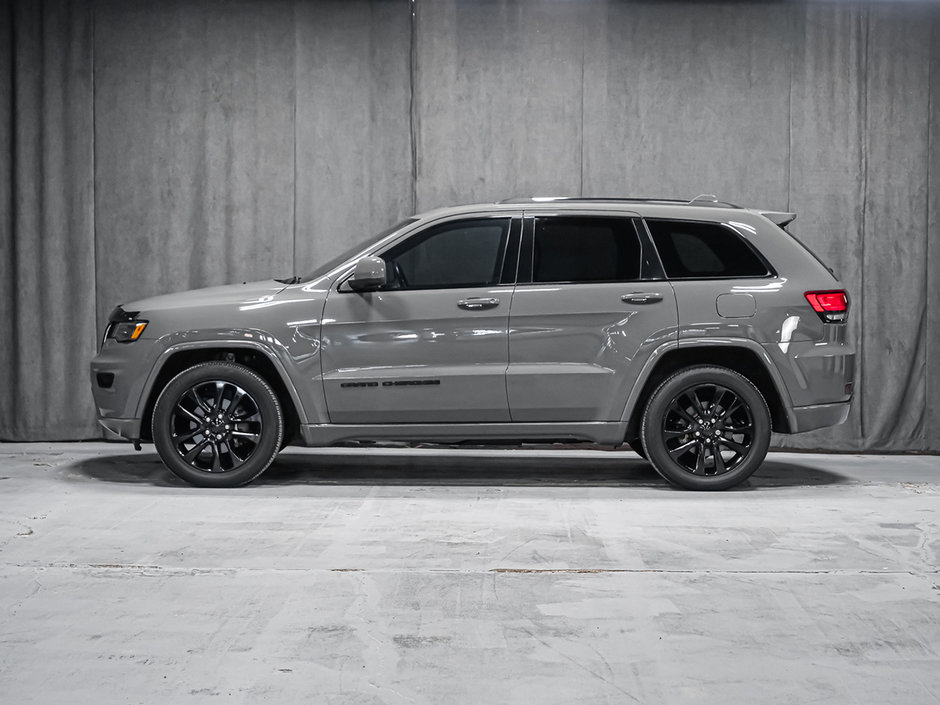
[(462, 253), (691, 250), (585, 250)]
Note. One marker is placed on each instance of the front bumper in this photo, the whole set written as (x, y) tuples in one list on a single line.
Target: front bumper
[(118, 374)]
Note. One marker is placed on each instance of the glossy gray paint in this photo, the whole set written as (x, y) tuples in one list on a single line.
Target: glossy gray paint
[(543, 362), (415, 356), (370, 272), (576, 349)]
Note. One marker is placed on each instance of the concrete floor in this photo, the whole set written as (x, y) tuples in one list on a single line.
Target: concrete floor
[(469, 576)]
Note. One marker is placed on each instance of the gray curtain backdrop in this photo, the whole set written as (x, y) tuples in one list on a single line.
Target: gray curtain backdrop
[(147, 147)]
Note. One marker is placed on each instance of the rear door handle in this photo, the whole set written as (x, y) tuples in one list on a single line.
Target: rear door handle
[(640, 297), (478, 304)]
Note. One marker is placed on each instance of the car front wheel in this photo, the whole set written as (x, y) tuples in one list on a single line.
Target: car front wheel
[(636, 445), (218, 424), (706, 428)]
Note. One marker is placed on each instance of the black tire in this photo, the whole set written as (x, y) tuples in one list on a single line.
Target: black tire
[(218, 424), (706, 428), (636, 445)]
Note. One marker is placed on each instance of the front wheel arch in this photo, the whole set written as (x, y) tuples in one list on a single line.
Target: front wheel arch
[(250, 357)]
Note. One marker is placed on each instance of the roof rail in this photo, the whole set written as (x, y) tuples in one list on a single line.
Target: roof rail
[(580, 199), (706, 200)]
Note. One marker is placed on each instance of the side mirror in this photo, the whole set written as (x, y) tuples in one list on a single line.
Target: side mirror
[(369, 274)]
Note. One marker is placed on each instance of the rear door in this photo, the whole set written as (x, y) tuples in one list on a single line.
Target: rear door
[(590, 307), (432, 346)]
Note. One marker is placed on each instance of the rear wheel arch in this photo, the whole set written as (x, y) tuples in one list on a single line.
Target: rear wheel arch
[(738, 358), (251, 357)]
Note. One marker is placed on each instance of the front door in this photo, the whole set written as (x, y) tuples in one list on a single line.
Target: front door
[(431, 346), (586, 315)]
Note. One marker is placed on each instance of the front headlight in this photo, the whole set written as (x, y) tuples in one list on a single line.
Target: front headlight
[(128, 331), (124, 326)]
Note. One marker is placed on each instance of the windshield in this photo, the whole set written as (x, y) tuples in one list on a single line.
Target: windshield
[(359, 247)]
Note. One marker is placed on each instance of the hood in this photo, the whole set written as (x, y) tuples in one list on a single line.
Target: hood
[(239, 295)]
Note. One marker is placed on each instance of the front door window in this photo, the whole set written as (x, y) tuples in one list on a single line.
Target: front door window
[(464, 253)]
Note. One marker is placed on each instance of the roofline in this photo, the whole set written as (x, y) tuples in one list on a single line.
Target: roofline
[(706, 200), (643, 207)]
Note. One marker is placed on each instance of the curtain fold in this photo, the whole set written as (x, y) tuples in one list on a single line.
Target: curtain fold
[(931, 376), (194, 134), (149, 147), (49, 238), (353, 144), (7, 252), (895, 247), (826, 144)]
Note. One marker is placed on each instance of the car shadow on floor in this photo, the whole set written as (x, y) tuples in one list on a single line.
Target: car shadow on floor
[(422, 467)]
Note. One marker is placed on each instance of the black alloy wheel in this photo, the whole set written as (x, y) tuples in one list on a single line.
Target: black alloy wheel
[(218, 424), (706, 428)]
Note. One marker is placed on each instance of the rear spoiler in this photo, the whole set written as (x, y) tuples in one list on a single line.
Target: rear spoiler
[(779, 217)]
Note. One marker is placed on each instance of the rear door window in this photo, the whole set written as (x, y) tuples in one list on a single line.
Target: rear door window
[(585, 249)]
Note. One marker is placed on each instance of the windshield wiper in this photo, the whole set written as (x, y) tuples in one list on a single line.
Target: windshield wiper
[(292, 280)]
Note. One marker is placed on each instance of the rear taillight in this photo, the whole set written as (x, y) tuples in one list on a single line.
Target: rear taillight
[(832, 306)]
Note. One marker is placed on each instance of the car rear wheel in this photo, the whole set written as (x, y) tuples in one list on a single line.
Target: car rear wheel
[(218, 424), (706, 428)]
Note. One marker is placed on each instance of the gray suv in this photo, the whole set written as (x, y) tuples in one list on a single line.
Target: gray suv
[(686, 330)]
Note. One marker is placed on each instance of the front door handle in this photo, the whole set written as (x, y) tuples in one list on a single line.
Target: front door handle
[(478, 304), (640, 297)]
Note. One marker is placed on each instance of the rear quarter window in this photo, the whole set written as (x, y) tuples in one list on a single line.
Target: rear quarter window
[(697, 250)]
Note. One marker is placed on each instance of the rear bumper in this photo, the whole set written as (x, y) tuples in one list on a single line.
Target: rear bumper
[(809, 418), (123, 428)]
